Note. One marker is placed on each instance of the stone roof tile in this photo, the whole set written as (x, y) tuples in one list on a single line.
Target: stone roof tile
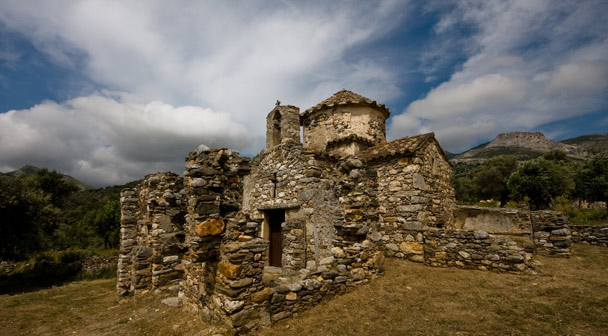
[(402, 147), (346, 97)]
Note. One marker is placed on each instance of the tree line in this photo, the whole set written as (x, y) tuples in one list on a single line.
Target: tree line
[(539, 182), (43, 212)]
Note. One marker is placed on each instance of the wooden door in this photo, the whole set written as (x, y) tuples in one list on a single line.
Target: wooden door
[(275, 219)]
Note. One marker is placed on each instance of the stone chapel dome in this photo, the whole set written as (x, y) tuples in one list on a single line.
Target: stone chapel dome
[(344, 124)]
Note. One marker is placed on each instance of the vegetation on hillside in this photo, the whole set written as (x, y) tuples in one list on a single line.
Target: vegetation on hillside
[(537, 183), (44, 211)]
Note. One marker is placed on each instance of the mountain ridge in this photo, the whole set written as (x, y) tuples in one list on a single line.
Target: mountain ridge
[(28, 170), (530, 145)]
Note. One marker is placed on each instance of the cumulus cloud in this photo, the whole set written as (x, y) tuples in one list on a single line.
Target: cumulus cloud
[(236, 57), (233, 56), (527, 64), (112, 137)]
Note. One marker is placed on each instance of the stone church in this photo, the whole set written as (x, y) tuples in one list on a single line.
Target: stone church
[(344, 183), (248, 242)]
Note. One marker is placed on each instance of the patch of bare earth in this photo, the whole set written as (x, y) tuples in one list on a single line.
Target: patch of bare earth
[(569, 297)]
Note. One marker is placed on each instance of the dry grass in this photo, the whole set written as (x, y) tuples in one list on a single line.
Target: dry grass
[(89, 308), (569, 298)]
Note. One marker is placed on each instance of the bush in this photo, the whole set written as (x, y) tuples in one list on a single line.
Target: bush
[(587, 216)]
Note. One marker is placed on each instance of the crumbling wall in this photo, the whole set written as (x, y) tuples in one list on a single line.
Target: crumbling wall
[(128, 240), (475, 249), (151, 234), (551, 233), (496, 220), (590, 234), (549, 230)]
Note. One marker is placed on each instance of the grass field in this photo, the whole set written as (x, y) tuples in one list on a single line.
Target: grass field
[(569, 297)]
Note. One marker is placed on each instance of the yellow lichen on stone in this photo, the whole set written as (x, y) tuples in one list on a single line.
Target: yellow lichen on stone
[(210, 227), (229, 270)]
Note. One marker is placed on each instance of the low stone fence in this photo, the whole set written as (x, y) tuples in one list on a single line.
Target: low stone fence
[(549, 230), (590, 234), (551, 233), (463, 248), (495, 220), (475, 249)]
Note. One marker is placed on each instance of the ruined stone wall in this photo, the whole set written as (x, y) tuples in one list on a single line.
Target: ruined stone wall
[(497, 220), (325, 125), (590, 234), (151, 234), (474, 249), (212, 181), (549, 230), (551, 233), (128, 240)]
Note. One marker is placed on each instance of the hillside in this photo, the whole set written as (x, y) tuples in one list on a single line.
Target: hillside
[(28, 170), (527, 145), (592, 143)]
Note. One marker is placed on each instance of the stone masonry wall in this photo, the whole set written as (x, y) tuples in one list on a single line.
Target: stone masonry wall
[(128, 242), (590, 234), (474, 249), (151, 235), (551, 233), (329, 124), (414, 192), (225, 274), (549, 230), (496, 220)]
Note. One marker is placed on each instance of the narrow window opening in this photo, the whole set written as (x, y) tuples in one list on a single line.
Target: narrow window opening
[(276, 129), (274, 181)]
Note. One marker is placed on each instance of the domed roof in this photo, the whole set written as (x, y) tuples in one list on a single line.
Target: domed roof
[(345, 97)]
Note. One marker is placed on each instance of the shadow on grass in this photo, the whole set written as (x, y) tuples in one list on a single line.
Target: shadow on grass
[(50, 269)]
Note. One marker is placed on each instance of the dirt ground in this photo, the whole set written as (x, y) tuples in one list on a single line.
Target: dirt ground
[(568, 297)]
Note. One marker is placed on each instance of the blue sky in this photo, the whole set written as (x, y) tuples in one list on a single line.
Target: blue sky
[(108, 91)]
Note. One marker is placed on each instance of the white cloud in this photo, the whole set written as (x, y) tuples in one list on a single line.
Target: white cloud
[(461, 99), (111, 138), (527, 64), (576, 80), (232, 56)]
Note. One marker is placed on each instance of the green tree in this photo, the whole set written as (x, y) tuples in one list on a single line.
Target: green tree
[(491, 177), (592, 179), (54, 184), (105, 222), (541, 180), (25, 212), (556, 156)]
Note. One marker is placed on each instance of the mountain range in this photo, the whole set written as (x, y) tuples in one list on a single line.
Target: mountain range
[(28, 170), (530, 145)]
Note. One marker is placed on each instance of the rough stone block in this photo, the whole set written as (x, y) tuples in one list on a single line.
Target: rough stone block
[(229, 270), (410, 247), (210, 227)]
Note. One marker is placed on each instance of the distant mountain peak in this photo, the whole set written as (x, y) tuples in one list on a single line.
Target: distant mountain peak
[(28, 170), (524, 145)]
